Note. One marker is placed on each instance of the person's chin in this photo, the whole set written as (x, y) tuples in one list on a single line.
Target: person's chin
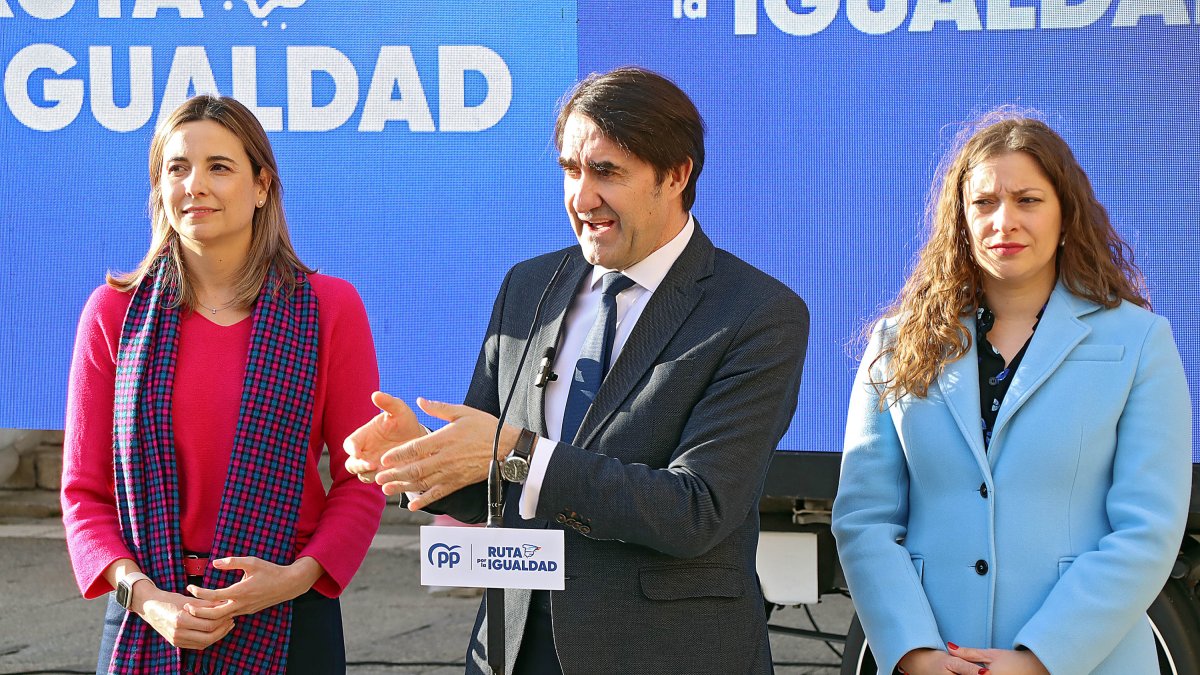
[(606, 260), (591, 252), (609, 255)]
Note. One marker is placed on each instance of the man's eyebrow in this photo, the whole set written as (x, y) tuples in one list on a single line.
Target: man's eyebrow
[(605, 166)]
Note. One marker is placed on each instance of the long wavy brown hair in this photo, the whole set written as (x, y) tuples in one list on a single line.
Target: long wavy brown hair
[(946, 284), (270, 245)]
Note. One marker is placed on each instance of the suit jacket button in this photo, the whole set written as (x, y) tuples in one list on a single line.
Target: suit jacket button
[(983, 491), (981, 567)]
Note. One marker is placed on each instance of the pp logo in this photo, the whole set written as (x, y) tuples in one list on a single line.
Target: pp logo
[(444, 555)]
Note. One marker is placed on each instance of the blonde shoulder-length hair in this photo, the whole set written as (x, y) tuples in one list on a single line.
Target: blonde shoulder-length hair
[(945, 284), (270, 245)]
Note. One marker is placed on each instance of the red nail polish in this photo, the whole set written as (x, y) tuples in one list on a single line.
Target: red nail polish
[(983, 671), (951, 645)]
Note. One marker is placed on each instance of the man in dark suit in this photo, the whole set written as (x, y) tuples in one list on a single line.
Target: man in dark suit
[(680, 368)]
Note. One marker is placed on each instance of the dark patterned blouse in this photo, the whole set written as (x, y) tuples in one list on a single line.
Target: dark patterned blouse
[(994, 375)]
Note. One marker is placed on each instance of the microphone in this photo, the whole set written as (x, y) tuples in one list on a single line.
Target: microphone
[(545, 374), (494, 597)]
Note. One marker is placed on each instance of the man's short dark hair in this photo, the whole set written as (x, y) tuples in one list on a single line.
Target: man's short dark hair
[(644, 113)]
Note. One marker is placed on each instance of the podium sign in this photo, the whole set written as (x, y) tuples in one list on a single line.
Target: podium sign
[(492, 557)]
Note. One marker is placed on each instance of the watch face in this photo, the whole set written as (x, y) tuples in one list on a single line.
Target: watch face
[(123, 593), (514, 469)]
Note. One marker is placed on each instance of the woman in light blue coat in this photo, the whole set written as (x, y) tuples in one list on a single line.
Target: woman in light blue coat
[(1017, 460)]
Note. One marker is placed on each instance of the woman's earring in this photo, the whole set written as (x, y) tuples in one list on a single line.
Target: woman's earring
[(260, 205), (1061, 242)]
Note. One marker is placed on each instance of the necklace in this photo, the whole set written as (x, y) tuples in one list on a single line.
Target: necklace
[(214, 310)]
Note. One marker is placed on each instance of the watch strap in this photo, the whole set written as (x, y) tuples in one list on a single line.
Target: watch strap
[(524, 447), (125, 588)]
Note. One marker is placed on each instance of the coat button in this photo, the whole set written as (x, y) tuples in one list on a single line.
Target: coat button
[(992, 381), (983, 491), (981, 567)]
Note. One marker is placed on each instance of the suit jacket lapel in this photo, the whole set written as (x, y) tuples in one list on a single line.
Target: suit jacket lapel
[(959, 384), (547, 335), (1057, 334), (670, 306)]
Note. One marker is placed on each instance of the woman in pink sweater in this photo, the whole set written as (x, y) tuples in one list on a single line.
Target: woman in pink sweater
[(205, 386)]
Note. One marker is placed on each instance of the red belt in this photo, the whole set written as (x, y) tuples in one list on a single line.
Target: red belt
[(194, 565)]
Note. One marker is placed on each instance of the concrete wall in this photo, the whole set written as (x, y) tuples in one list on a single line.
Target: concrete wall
[(30, 459)]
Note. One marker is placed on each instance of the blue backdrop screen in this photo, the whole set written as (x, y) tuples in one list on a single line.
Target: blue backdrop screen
[(415, 144)]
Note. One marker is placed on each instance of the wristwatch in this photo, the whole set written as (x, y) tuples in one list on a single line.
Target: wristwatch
[(515, 467), (125, 588)]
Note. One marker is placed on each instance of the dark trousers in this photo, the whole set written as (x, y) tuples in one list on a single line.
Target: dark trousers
[(537, 655), (316, 647)]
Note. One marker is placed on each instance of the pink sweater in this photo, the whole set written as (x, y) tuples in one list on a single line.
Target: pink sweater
[(335, 528)]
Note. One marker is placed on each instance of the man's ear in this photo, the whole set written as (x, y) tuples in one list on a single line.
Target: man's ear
[(677, 177)]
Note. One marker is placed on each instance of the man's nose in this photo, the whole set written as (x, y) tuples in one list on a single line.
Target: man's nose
[(587, 197)]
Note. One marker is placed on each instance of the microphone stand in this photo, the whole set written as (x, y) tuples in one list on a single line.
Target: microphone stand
[(493, 601)]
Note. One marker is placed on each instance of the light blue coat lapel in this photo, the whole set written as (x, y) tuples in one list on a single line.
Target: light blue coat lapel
[(1058, 332), (959, 384)]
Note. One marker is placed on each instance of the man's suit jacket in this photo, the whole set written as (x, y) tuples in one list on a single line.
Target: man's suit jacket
[(659, 491), (1057, 538)]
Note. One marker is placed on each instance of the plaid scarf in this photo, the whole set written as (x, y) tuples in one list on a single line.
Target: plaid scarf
[(261, 498)]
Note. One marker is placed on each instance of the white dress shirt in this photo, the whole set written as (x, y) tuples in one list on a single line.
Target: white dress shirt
[(647, 275)]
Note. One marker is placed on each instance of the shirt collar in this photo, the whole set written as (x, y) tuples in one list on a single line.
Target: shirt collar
[(651, 270)]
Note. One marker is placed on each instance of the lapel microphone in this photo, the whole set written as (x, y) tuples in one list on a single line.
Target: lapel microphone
[(494, 597), (545, 372)]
